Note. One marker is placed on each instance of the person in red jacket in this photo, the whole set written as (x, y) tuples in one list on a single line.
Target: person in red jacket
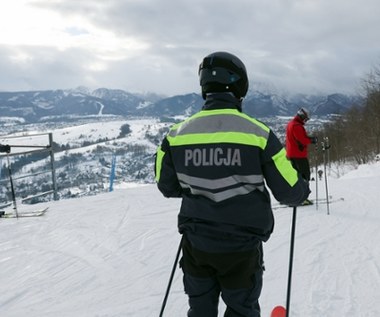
[(297, 141)]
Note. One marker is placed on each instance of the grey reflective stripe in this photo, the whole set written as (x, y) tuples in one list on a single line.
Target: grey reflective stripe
[(219, 123), (220, 182), (226, 194)]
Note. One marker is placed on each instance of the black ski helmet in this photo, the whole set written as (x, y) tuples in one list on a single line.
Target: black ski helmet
[(223, 72)]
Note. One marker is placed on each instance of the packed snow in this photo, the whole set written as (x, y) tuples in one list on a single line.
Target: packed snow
[(112, 254)]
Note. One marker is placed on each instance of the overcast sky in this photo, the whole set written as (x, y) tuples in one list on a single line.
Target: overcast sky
[(157, 45)]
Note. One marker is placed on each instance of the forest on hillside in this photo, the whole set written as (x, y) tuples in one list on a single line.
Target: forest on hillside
[(355, 135)]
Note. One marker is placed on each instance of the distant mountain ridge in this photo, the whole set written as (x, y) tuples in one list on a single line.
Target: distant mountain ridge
[(36, 106)]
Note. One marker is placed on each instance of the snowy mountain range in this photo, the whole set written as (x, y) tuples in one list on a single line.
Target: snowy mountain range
[(50, 105), (89, 128)]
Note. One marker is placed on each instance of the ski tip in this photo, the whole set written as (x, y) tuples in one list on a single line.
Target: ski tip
[(278, 311)]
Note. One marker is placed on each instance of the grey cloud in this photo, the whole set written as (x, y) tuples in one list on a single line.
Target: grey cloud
[(295, 44), (45, 68)]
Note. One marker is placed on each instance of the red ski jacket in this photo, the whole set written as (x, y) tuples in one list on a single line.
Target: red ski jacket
[(297, 139)]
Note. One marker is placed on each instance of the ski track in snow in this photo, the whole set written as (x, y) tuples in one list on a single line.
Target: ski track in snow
[(112, 254)]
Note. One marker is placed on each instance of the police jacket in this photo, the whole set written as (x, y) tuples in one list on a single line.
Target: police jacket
[(297, 139), (218, 161)]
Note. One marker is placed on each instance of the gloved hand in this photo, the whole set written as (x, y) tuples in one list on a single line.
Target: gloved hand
[(301, 147), (5, 148), (313, 139)]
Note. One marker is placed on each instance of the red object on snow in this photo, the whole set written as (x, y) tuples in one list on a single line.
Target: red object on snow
[(278, 311)]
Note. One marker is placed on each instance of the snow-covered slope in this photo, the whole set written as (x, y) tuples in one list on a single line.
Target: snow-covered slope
[(111, 255)]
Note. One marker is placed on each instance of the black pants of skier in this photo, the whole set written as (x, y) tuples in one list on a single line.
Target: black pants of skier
[(302, 166), (236, 277)]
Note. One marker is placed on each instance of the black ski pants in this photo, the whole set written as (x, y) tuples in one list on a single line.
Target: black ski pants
[(302, 166), (236, 277)]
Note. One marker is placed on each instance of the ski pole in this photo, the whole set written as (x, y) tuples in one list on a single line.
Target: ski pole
[(12, 187), (292, 238), (327, 190), (324, 148), (316, 176), (171, 278)]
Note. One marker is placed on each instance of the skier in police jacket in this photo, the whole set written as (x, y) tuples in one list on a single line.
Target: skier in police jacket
[(218, 161)]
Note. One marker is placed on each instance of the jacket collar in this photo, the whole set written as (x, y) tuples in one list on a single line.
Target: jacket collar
[(222, 101)]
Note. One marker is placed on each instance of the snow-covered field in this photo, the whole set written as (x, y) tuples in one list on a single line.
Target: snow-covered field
[(111, 255), (86, 150), (76, 134)]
